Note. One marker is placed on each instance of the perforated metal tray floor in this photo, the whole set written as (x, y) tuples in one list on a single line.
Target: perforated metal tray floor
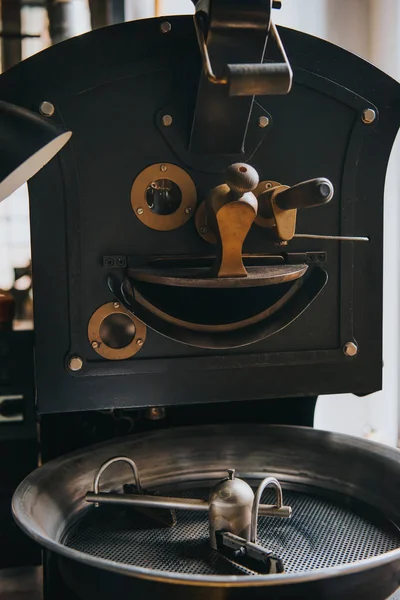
[(321, 533)]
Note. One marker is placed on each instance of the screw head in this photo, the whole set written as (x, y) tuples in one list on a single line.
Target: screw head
[(350, 349), (75, 363), (139, 342), (163, 168), (167, 120), (263, 121), (203, 229), (116, 304), (95, 344), (47, 108), (369, 116), (188, 210), (140, 210), (155, 413), (165, 27)]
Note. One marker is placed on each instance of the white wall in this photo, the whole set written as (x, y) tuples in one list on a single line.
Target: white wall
[(371, 29)]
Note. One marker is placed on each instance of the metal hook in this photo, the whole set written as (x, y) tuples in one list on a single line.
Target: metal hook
[(267, 482), (116, 459)]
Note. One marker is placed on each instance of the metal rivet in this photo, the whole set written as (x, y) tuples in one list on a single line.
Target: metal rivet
[(263, 121), (155, 413), (116, 304), (95, 344), (350, 349), (47, 109), (75, 363), (203, 229), (165, 27), (139, 342), (369, 116), (188, 210), (167, 120), (268, 185), (163, 168), (140, 211)]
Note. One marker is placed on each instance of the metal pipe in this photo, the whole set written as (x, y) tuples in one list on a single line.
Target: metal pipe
[(265, 510)]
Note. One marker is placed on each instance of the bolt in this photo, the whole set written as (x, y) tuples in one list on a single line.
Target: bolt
[(109, 262), (203, 229), (350, 349), (165, 27), (369, 116), (116, 304), (120, 262), (75, 363), (95, 344), (167, 120), (239, 552), (139, 342), (140, 210), (231, 473), (163, 168), (155, 413), (188, 210), (47, 109), (263, 121)]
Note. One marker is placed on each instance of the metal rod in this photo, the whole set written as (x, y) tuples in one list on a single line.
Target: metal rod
[(204, 54), (340, 238), (265, 510), (112, 461), (255, 511), (150, 501)]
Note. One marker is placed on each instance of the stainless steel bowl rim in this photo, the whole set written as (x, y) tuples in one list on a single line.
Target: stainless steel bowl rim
[(190, 579)]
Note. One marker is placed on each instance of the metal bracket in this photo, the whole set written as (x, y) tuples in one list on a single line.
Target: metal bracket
[(233, 72)]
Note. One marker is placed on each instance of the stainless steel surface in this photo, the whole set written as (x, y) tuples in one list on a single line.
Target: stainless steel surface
[(267, 482), (264, 510), (231, 501), (51, 499), (148, 501), (322, 533), (113, 461)]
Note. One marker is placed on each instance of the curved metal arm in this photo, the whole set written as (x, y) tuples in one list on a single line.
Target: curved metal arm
[(110, 462), (267, 482)]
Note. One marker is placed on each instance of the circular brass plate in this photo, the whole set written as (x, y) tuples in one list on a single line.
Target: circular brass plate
[(97, 318), (183, 181), (202, 225)]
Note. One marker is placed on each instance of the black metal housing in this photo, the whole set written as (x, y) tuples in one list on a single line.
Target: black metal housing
[(110, 87)]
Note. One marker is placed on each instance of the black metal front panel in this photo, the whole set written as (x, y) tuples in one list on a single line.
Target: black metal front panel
[(109, 87)]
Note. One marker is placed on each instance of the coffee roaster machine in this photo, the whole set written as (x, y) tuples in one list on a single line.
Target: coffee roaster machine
[(207, 260)]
